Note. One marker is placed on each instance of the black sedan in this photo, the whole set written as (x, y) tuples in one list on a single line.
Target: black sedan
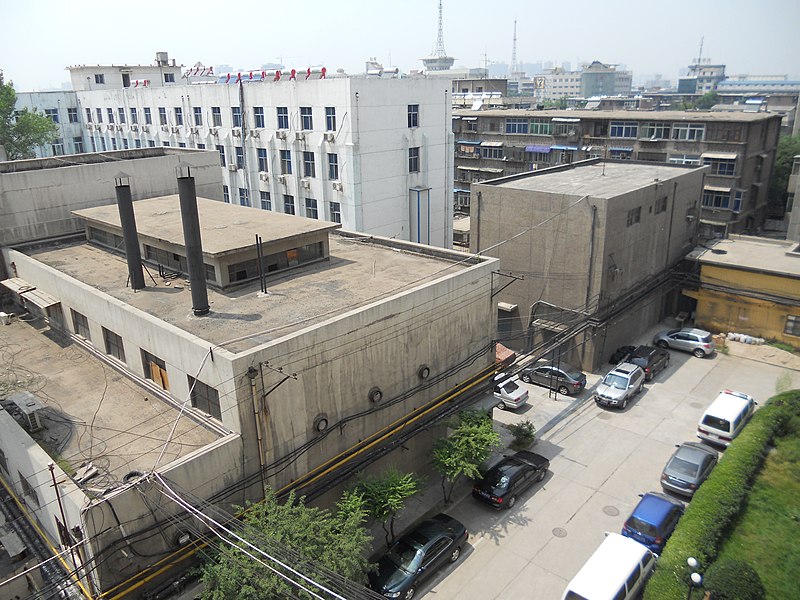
[(417, 555), (510, 477)]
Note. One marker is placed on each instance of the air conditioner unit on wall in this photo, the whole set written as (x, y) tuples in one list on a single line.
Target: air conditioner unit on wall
[(337, 185), (194, 130), (146, 128), (330, 137), (134, 128), (299, 136), (213, 131), (282, 179), (306, 184), (233, 168), (236, 132), (263, 176), (176, 129), (254, 133), (281, 135)]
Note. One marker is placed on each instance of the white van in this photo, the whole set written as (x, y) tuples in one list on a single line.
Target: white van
[(726, 417), (617, 570)]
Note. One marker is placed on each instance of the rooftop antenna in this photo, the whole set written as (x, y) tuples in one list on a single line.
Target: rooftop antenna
[(700, 54), (439, 52), (514, 67)]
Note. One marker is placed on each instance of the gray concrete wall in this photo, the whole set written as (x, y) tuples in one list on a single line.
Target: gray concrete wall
[(37, 202)]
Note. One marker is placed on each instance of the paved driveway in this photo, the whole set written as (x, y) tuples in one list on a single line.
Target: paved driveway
[(600, 461)]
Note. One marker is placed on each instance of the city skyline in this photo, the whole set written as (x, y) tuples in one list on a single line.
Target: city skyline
[(649, 40)]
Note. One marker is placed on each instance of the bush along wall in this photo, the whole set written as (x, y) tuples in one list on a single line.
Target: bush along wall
[(719, 500)]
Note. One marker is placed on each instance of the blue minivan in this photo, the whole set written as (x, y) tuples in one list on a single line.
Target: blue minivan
[(653, 520)]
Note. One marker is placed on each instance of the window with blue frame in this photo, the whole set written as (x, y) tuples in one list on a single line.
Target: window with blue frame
[(517, 125), (624, 129)]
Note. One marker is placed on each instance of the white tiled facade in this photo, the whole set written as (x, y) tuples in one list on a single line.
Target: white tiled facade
[(62, 107)]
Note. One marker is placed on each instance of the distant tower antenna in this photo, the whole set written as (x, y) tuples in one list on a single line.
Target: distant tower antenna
[(439, 52), (514, 67), (700, 54)]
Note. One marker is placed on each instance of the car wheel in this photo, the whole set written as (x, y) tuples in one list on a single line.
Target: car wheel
[(563, 390), (511, 502), (662, 344), (641, 387), (410, 593), (500, 406), (542, 475), (624, 404), (698, 352), (525, 377), (455, 554)]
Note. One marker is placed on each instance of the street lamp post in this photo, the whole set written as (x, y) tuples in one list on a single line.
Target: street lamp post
[(695, 579)]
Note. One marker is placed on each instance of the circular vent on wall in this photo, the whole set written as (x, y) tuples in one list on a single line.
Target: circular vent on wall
[(320, 422), (375, 394), (423, 371)]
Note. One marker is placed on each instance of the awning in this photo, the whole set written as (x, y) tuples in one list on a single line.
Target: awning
[(565, 120), (29, 293), (563, 147), (469, 118), (468, 143), (618, 149), (720, 155), (492, 144), (456, 117), (714, 188), (490, 170), (540, 149), (460, 191)]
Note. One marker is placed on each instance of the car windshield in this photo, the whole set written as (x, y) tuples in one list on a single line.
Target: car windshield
[(404, 556), (642, 526), (509, 386), (683, 466), (616, 381), (706, 339)]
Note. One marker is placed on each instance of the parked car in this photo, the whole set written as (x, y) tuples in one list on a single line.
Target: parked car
[(652, 360), (510, 477), (621, 384), (417, 555), (563, 378), (726, 417), (509, 393), (697, 341), (688, 468), (620, 354), (653, 520)]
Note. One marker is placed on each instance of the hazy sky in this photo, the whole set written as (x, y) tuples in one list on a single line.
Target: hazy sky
[(38, 38)]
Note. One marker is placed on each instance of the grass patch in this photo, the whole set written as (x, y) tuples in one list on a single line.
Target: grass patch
[(765, 535), (781, 346)]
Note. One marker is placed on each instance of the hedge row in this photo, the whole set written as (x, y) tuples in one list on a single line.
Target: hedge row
[(719, 499)]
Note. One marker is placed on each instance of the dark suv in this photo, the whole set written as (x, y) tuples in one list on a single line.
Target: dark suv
[(652, 360)]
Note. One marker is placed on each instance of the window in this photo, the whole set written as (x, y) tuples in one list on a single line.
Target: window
[(309, 169), (262, 159), (121, 115), (114, 143), (99, 78), (634, 215), (661, 205), (244, 197), (94, 144), (80, 324), (540, 127), (306, 119), (88, 115), (99, 113), (336, 212), (330, 118), (162, 115), (792, 325), (712, 199), (166, 144), (624, 129), (114, 346), (288, 204), (620, 153), (286, 162), (493, 153), (283, 117), (413, 160), (205, 398), (125, 144), (28, 489), (77, 142), (654, 131), (148, 117), (688, 131), (226, 195), (684, 159), (721, 166), (311, 208), (266, 202), (216, 116), (199, 146), (198, 115), (103, 145), (52, 113), (137, 143), (333, 167), (110, 115), (568, 129), (72, 115), (58, 147), (178, 115), (180, 144), (151, 143), (258, 116), (413, 115), (221, 150), (134, 117), (236, 116), (169, 77), (239, 157), (517, 125)]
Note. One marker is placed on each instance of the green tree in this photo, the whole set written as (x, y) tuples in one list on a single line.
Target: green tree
[(730, 579), (707, 100), (385, 495), (788, 148), (333, 540), (21, 134), (463, 453)]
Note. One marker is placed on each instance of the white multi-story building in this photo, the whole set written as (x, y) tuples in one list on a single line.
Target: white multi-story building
[(373, 154), (62, 107)]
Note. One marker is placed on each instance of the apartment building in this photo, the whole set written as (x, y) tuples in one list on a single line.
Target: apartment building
[(61, 106), (739, 148)]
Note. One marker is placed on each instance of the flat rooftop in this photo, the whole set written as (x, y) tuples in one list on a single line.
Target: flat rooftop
[(361, 270), (91, 158), (751, 253), (223, 227), (672, 116), (91, 412), (595, 179)]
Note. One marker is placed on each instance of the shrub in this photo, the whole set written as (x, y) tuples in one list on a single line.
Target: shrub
[(729, 579), (524, 434)]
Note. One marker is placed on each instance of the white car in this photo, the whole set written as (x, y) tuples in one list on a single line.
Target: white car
[(509, 393)]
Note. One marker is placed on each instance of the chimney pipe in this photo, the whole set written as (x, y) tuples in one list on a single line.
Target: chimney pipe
[(129, 235), (192, 241)]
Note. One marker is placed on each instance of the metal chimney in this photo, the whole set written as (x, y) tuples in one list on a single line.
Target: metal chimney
[(128, 220), (192, 241)]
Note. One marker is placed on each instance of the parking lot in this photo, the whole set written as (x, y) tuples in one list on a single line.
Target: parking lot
[(601, 459)]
